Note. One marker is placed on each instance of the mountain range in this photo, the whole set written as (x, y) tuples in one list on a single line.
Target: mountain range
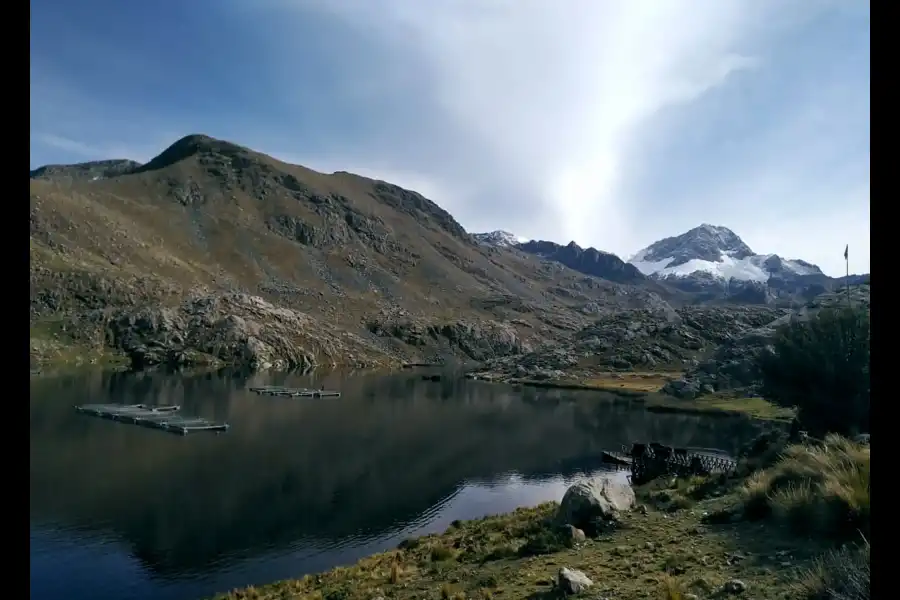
[(212, 252), (709, 262)]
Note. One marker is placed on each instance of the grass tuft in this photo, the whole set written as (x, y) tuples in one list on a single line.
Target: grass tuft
[(394, 577), (671, 588), (441, 553), (840, 575), (814, 489)]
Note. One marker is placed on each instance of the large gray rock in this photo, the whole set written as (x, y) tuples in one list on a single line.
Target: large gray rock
[(597, 498), (572, 581)]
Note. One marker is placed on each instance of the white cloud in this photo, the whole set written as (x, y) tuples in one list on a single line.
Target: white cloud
[(538, 117), (554, 98), (556, 91)]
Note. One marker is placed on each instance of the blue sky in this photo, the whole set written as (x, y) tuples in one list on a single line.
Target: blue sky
[(611, 123)]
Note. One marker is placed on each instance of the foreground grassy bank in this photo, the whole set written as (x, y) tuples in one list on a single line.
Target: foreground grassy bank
[(771, 532)]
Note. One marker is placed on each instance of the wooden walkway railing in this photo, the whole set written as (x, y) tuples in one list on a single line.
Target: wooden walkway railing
[(649, 461)]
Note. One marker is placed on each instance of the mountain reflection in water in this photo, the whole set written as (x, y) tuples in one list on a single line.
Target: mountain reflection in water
[(299, 485)]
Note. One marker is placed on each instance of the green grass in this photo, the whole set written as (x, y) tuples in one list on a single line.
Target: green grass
[(757, 408), (53, 348), (671, 550), (588, 385), (653, 554), (643, 387)]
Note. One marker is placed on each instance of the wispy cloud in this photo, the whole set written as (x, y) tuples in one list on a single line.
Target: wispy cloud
[(610, 123)]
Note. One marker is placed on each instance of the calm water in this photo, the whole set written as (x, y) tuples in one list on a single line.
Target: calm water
[(298, 485)]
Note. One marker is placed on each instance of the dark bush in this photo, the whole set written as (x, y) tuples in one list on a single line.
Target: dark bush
[(545, 541), (821, 366)]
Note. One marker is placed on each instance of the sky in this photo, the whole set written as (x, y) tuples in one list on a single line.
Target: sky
[(610, 123)]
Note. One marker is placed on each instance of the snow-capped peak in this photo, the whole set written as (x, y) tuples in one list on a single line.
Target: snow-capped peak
[(714, 251), (498, 238)]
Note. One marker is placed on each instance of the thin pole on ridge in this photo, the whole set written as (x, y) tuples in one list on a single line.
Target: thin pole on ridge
[(847, 280)]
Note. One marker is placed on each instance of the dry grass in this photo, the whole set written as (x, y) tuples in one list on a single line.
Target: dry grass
[(672, 551), (517, 555), (842, 574), (52, 346), (671, 588), (634, 381), (814, 489)]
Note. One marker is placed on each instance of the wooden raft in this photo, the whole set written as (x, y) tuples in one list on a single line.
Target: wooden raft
[(166, 418), (276, 390)]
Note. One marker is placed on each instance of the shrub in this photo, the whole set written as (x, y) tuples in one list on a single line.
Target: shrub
[(409, 544), (821, 366), (545, 541), (814, 489), (441, 553)]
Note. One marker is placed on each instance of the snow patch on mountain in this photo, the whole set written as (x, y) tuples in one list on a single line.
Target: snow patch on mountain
[(498, 238), (744, 269), (714, 251)]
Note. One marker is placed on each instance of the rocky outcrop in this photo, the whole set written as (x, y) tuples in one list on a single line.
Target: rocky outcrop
[(233, 329), (589, 261), (733, 366), (87, 171), (476, 340), (664, 338)]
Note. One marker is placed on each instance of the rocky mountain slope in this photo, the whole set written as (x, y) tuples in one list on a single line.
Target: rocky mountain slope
[(669, 340), (732, 367), (88, 171), (700, 349), (713, 263), (213, 253), (590, 260)]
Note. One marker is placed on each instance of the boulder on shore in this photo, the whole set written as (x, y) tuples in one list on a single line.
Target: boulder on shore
[(572, 581), (600, 498)]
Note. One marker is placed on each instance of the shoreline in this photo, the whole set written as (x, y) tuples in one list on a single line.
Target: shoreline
[(653, 401), (73, 359), (686, 536)]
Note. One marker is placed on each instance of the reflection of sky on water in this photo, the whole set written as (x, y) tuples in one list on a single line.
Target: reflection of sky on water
[(122, 512), (105, 566)]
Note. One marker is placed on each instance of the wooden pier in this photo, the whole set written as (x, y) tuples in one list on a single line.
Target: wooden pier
[(166, 418), (649, 461), (276, 390)]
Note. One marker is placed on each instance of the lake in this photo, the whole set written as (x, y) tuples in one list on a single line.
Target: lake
[(299, 485)]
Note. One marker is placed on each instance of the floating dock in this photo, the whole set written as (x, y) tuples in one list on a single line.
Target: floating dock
[(276, 390), (166, 418)]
